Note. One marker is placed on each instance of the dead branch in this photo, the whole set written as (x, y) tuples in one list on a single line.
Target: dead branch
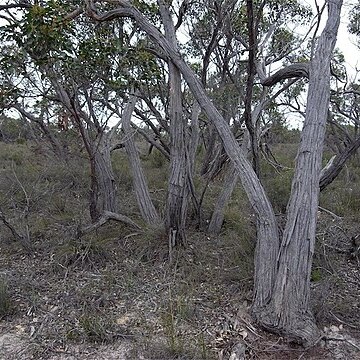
[(104, 218), (337, 217), (298, 70), (23, 241)]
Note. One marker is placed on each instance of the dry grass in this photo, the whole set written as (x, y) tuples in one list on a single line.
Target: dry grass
[(114, 291)]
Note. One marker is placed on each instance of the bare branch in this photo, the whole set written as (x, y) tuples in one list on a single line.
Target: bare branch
[(22, 5), (298, 70), (104, 218)]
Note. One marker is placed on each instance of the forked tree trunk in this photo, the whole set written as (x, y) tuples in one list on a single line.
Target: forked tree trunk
[(102, 181), (288, 310), (146, 206), (267, 230)]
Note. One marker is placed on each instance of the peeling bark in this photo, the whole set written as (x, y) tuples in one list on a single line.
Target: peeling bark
[(177, 197)]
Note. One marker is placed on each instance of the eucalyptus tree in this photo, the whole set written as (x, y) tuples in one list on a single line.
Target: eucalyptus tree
[(282, 265), (282, 261), (242, 37), (84, 72)]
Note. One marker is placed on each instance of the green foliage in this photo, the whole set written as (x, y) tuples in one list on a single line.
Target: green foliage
[(44, 32), (13, 130), (97, 327), (316, 275), (157, 159), (277, 179), (278, 189), (122, 171), (342, 196)]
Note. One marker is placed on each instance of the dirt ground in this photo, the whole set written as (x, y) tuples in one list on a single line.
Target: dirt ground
[(121, 299)]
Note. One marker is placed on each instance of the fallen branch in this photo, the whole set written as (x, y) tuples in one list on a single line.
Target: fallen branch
[(343, 322), (337, 217), (18, 237), (104, 218)]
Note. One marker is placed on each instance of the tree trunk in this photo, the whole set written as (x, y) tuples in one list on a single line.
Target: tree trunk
[(288, 310), (217, 217), (177, 197), (146, 206), (103, 186)]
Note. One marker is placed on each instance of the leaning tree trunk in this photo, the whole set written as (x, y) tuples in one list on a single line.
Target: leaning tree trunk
[(177, 197), (337, 163), (288, 310), (146, 206)]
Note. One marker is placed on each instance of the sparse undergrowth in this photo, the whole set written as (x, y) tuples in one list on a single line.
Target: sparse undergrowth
[(80, 296)]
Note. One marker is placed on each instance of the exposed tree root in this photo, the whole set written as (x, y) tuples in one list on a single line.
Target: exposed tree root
[(296, 327)]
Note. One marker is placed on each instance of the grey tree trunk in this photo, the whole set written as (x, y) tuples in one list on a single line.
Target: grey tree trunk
[(102, 181), (288, 311), (146, 206), (217, 217), (103, 185), (330, 172), (177, 197)]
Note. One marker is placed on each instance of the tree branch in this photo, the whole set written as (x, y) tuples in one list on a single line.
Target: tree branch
[(298, 70)]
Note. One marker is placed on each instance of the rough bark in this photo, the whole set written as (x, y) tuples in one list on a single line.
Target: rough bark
[(251, 69), (288, 310), (298, 70), (146, 206), (105, 185), (177, 197), (193, 143), (102, 181)]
